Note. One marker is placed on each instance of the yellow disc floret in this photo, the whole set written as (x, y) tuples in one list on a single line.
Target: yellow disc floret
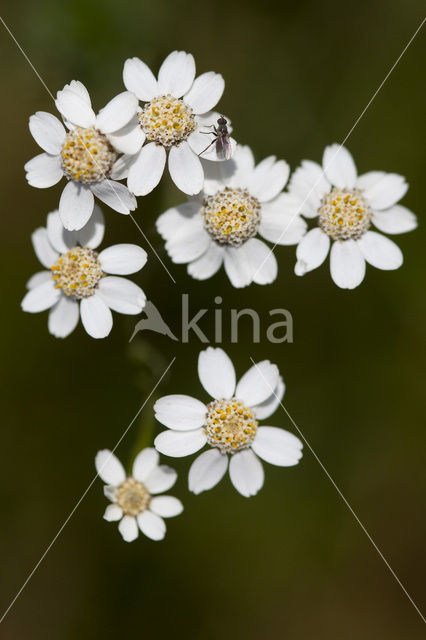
[(230, 425), (167, 120), (132, 497), (77, 272), (344, 214), (87, 155), (231, 216)]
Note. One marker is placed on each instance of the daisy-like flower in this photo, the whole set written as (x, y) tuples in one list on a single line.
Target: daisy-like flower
[(175, 118), (87, 154), (238, 202), (134, 498), (346, 206), (228, 425), (77, 281)]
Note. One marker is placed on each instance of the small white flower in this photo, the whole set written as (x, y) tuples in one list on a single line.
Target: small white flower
[(228, 424), (87, 155), (346, 205), (239, 201), (76, 283), (134, 498), (177, 112)]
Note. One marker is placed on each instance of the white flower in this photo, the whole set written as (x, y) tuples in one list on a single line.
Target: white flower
[(177, 112), (76, 283), (239, 201), (346, 205), (87, 155), (228, 424), (134, 499)]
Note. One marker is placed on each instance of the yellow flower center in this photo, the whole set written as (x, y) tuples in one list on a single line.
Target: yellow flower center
[(132, 497), (344, 214), (87, 155), (167, 120), (77, 272), (230, 426), (231, 216)]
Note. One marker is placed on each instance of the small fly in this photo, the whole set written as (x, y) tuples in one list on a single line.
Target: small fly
[(221, 139)]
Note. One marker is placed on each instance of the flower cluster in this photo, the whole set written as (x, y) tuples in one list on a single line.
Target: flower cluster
[(234, 208)]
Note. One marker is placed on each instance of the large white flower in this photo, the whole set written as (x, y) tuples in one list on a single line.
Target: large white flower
[(346, 206), (134, 498), (176, 118), (77, 281), (228, 425), (239, 201), (87, 155)]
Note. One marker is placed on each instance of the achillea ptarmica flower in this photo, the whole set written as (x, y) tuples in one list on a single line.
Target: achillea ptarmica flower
[(175, 118), (135, 500), (346, 205), (229, 425), (239, 201), (78, 283), (87, 154)]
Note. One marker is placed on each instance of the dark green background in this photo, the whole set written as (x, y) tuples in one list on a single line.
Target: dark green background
[(291, 562)]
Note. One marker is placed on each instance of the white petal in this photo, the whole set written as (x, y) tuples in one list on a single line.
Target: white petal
[(246, 472), (96, 317), (115, 195), (207, 470), (180, 412), (263, 261), (113, 513), (63, 317), (258, 383), (384, 189), (138, 77), (281, 227), (47, 131), (128, 528), (145, 173), (397, 219), (121, 167), (122, 259), (270, 405), (206, 148), (308, 185), (76, 205), (347, 265), (43, 171), (339, 166), (166, 506), (178, 444), (117, 113), (42, 247), (161, 479), (185, 248), (121, 295), (91, 235), (243, 167), (129, 139), (185, 169), (41, 297), (216, 373), (79, 88), (206, 92), (179, 220), (145, 462), (176, 74), (109, 467), (75, 108), (39, 278), (238, 266), (268, 179), (61, 239), (152, 525), (208, 264), (311, 251), (277, 446), (380, 252)]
